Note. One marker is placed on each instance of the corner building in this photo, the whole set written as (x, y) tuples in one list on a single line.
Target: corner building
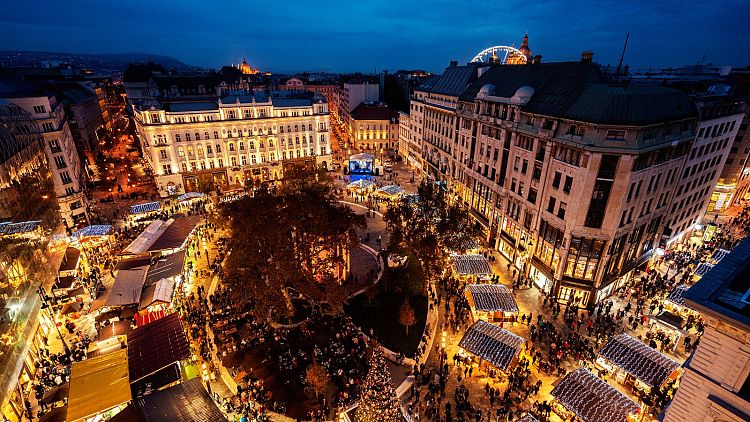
[(569, 176), (225, 142)]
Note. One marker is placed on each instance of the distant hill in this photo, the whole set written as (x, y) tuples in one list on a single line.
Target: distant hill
[(103, 63)]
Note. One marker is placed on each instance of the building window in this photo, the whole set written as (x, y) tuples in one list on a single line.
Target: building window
[(187, 136), (532, 195), (583, 257), (568, 184), (231, 147), (69, 191), (60, 162), (177, 138), (556, 180), (197, 136), (551, 204), (39, 109), (561, 210), (216, 135), (65, 177), (218, 148), (616, 135), (163, 154)]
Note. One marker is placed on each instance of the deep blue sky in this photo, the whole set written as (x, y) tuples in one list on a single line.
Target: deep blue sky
[(368, 34)]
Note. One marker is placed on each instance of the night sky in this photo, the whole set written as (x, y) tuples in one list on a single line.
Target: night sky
[(370, 35)]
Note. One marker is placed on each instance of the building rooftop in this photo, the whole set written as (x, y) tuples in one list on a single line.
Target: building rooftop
[(643, 362), (580, 91), (592, 399), (491, 343), (453, 81), (372, 112), (724, 292)]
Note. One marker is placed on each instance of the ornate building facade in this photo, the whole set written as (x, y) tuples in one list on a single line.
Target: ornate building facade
[(194, 146)]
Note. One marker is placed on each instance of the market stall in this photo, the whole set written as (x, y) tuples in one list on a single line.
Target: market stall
[(675, 302), (718, 255), (702, 269), (99, 386), (390, 192), (491, 345), (491, 302), (155, 351), (361, 185), (471, 265), (186, 401), (635, 364), (190, 196), (127, 287), (667, 327), (581, 394)]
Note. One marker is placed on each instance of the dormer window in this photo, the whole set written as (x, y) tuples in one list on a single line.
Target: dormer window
[(616, 135)]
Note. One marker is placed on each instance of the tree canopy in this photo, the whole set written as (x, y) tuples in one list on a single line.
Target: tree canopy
[(294, 236), (429, 226)]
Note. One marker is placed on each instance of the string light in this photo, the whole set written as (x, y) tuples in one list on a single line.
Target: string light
[(378, 401)]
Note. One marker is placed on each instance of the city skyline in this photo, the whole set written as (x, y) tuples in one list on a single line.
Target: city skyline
[(333, 37)]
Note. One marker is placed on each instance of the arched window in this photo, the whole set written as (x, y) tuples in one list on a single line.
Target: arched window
[(304, 140), (309, 127), (231, 147), (242, 146), (218, 148), (209, 150), (197, 136), (180, 152), (296, 128), (206, 135), (233, 160), (216, 134), (187, 136), (296, 140), (177, 138), (281, 129), (289, 128)]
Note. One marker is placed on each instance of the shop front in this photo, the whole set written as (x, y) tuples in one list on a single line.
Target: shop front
[(541, 276), (574, 293)]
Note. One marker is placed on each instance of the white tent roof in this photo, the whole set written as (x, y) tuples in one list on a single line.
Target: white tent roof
[(148, 237)]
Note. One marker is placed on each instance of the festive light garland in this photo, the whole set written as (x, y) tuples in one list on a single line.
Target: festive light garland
[(492, 298), (378, 402), (639, 360), (471, 264)]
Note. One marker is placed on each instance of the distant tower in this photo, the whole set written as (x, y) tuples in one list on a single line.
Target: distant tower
[(524, 48)]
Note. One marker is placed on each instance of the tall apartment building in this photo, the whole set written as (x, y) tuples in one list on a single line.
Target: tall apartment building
[(716, 382), (734, 176), (569, 176), (434, 105), (404, 138), (59, 147), (228, 140), (374, 127), (720, 119)]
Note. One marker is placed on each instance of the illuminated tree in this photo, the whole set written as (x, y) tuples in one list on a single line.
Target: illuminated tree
[(317, 378), (377, 401), (406, 316)]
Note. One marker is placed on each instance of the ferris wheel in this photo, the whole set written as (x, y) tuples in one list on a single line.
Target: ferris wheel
[(503, 53)]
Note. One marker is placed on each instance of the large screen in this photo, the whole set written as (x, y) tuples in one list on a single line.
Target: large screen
[(362, 166)]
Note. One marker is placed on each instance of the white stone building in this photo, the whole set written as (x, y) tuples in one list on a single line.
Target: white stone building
[(224, 142), (62, 157)]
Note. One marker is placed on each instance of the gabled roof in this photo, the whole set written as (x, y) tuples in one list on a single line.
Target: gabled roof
[(166, 267), (156, 345), (491, 343), (159, 292), (592, 399), (639, 360), (176, 233), (127, 287), (471, 264)]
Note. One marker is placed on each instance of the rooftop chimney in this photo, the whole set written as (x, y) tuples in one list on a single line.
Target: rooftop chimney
[(587, 56), (453, 63)]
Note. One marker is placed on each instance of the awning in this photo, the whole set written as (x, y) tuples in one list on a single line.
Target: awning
[(127, 287), (491, 343), (675, 296), (190, 195), (360, 184), (491, 298), (93, 231), (144, 208), (116, 328), (8, 228), (471, 264), (98, 384), (592, 399), (639, 360), (156, 345)]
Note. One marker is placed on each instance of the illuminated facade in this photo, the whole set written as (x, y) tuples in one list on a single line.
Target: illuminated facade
[(64, 162), (374, 128), (200, 145), (31, 216), (575, 194)]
